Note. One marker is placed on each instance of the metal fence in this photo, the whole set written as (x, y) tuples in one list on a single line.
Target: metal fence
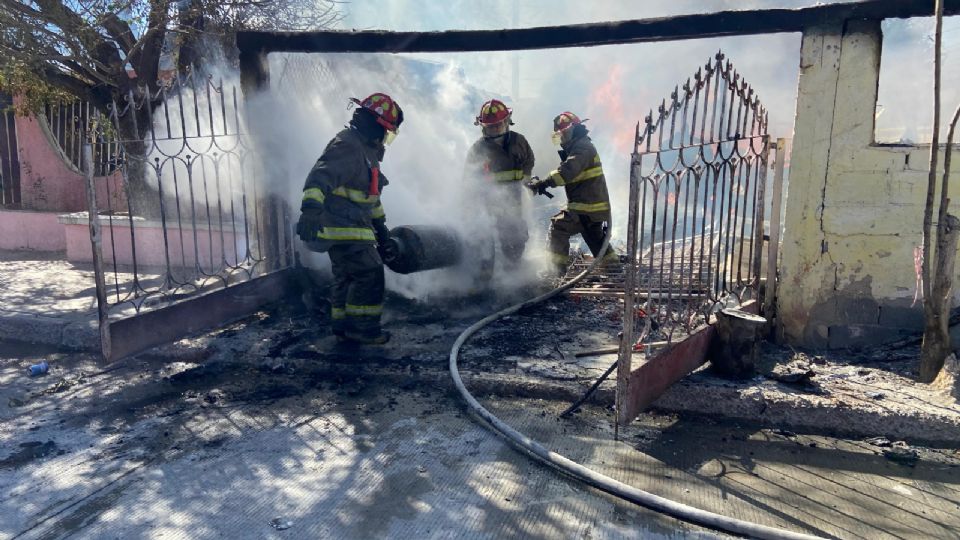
[(9, 160), (68, 124), (696, 212), (187, 209)]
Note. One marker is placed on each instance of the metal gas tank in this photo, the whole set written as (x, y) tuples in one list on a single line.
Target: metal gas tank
[(424, 247)]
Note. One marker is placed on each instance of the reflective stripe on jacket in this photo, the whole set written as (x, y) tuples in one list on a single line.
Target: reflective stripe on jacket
[(506, 161), (581, 175), (340, 184)]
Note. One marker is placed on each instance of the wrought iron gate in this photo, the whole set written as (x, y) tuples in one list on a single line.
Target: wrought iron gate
[(696, 211), (182, 212), (9, 155)]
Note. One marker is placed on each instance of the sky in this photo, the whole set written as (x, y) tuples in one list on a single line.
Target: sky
[(645, 73), (637, 76)]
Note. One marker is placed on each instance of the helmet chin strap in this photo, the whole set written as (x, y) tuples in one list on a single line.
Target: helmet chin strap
[(497, 136)]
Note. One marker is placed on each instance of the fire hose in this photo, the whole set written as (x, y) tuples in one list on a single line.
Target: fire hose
[(585, 474)]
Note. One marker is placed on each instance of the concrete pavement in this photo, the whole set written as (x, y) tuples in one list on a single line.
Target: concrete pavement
[(219, 449)]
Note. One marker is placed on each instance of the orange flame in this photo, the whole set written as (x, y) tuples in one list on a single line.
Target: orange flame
[(606, 104)]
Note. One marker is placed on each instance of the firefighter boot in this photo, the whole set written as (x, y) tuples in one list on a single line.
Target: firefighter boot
[(363, 338)]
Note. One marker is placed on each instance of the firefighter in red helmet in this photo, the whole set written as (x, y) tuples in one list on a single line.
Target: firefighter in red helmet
[(588, 204), (341, 215), (498, 165)]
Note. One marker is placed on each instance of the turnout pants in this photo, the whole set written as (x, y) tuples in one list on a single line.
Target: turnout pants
[(512, 234), (356, 301), (567, 224)]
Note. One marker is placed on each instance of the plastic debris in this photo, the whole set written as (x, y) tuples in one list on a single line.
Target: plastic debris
[(901, 452), (882, 442), (281, 524), (38, 369)]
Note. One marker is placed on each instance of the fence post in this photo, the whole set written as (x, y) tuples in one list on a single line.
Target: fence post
[(254, 78), (624, 356), (97, 244), (759, 212), (773, 246)]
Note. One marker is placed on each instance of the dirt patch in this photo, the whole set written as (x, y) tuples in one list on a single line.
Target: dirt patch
[(30, 451)]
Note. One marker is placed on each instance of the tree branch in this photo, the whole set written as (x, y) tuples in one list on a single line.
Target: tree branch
[(119, 31), (928, 255), (145, 54), (103, 53), (73, 85)]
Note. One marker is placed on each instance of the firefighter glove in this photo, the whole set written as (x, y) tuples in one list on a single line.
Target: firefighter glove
[(381, 231), (388, 250), (539, 186), (309, 225)]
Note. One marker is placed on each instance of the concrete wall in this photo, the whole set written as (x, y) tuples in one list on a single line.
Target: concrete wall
[(210, 248), (48, 182), (854, 209), (31, 231)]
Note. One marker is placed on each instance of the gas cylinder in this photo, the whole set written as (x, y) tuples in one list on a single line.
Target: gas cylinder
[(422, 247)]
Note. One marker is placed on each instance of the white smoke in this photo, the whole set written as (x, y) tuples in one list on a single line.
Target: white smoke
[(307, 105), (196, 157), (614, 86)]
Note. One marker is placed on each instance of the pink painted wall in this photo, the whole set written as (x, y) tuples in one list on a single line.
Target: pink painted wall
[(31, 231), (47, 183), (149, 243)]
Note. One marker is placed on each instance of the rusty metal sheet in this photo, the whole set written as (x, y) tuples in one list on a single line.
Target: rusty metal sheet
[(148, 329), (652, 378)]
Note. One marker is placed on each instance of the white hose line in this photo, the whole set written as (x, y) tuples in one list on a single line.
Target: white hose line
[(584, 474)]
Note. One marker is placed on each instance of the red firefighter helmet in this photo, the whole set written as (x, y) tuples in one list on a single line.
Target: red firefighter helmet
[(384, 107), (493, 112), (566, 120)]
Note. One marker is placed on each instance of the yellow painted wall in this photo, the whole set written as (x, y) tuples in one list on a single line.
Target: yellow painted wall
[(854, 209)]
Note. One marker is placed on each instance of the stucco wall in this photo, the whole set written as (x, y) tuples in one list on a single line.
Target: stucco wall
[(31, 231), (210, 246), (854, 209), (47, 182)]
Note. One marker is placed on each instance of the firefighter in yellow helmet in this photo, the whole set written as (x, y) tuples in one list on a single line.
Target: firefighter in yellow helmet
[(497, 166), (341, 214), (588, 204)]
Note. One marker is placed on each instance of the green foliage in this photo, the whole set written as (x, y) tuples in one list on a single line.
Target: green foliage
[(51, 50), (33, 91)]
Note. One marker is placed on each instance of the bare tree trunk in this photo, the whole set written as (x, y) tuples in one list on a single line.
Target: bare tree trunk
[(936, 336), (932, 174), (191, 26)]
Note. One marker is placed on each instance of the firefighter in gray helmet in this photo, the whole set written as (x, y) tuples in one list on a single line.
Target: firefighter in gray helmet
[(341, 214), (497, 166), (588, 204)]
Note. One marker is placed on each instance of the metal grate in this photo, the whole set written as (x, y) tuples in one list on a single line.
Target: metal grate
[(697, 181), (186, 212), (9, 155)]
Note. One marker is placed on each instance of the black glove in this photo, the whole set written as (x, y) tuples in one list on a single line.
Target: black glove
[(309, 225), (539, 187), (386, 246), (381, 231), (388, 250)]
